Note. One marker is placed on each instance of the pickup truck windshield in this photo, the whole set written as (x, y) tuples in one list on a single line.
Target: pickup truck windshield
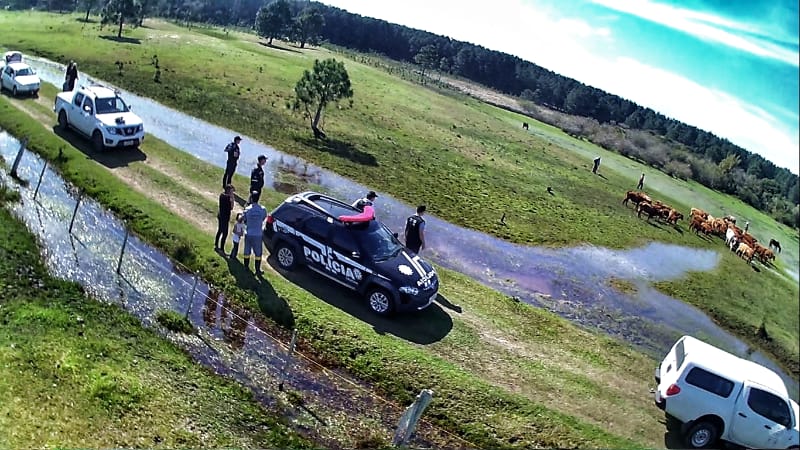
[(111, 105)]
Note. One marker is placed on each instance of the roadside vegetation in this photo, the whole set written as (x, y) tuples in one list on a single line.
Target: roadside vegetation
[(505, 374), (78, 373)]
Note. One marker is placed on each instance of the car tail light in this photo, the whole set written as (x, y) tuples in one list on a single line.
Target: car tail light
[(270, 219), (673, 389)]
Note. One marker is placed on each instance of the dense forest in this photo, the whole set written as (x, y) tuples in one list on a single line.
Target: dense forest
[(691, 153)]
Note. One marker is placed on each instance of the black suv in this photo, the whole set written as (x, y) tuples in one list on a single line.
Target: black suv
[(364, 256)]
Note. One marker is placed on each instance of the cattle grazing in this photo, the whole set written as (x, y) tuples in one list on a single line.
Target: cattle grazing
[(768, 256), (636, 197), (775, 244)]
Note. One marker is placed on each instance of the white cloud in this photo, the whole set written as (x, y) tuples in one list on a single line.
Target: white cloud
[(575, 48), (704, 26)]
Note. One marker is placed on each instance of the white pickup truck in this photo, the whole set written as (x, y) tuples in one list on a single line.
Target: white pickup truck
[(100, 114), (718, 396)]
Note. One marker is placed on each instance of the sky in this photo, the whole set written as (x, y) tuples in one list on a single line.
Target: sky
[(726, 66)]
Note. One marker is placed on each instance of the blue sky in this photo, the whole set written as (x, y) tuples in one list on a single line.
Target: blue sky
[(726, 66)]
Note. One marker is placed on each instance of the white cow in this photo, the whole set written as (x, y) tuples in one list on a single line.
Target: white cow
[(730, 236)]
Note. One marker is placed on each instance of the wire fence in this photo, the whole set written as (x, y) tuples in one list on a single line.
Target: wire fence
[(133, 254)]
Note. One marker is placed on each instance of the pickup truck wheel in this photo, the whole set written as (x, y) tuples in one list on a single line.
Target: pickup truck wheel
[(14, 91), (702, 435), (63, 122), (379, 301), (286, 257), (97, 141)]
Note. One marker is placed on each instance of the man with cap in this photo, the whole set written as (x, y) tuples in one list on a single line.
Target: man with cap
[(254, 217), (368, 200), (257, 177), (233, 152)]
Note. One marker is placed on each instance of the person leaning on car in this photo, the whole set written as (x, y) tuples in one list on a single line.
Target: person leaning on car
[(257, 177), (368, 200)]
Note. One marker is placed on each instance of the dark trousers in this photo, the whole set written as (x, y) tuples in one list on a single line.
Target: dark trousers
[(227, 177), (413, 246), (222, 232), (235, 249), (640, 185)]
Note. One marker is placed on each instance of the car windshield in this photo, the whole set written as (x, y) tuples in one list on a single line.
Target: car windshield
[(25, 71), (377, 241), (111, 105)]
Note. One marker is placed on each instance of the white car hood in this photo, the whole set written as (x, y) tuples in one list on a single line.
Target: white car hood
[(26, 80), (129, 118)]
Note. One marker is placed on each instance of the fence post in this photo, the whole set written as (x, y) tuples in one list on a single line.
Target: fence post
[(408, 421), (41, 175), (285, 368), (122, 252), (194, 291), (75, 211), (22, 145)]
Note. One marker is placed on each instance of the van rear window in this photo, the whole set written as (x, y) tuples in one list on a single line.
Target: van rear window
[(710, 382), (680, 354)]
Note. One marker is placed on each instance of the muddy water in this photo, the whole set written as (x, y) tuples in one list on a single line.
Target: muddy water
[(572, 282), (335, 409)]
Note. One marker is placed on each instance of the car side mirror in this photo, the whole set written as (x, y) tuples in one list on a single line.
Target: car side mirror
[(355, 255), (88, 109)]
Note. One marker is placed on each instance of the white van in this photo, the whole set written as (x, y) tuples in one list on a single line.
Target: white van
[(719, 396)]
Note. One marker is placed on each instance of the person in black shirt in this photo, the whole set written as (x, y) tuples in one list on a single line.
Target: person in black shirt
[(257, 177), (233, 152), (224, 217), (71, 76), (369, 200), (415, 230)]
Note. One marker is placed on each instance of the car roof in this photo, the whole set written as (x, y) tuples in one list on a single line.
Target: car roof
[(731, 366), (18, 65), (324, 204)]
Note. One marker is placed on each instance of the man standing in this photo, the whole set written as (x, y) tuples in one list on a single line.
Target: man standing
[(746, 226), (233, 151), (366, 201), (224, 217), (596, 165), (257, 177), (415, 230), (254, 217), (71, 76), (641, 182)]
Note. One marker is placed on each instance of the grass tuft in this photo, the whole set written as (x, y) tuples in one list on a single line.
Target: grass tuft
[(174, 321)]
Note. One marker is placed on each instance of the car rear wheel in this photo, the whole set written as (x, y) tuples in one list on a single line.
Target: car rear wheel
[(63, 123), (14, 91), (97, 141), (380, 301), (286, 257), (702, 435)]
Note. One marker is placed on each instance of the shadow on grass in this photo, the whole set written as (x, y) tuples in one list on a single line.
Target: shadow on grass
[(339, 148), (278, 47), (270, 303), (84, 20), (423, 327), (111, 158), (121, 40), (672, 436)]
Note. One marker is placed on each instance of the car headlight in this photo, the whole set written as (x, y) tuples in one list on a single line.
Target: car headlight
[(112, 130), (409, 290), (139, 128)]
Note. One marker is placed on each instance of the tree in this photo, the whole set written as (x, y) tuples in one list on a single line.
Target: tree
[(120, 11), (428, 58), (273, 20), (307, 26), (327, 82), (88, 5)]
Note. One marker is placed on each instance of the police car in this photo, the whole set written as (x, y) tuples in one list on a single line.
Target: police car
[(308, 229)]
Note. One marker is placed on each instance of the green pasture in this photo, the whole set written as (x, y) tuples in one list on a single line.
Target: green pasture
[(78, 373)]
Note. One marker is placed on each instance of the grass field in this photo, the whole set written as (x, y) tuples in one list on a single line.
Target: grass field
[(78, 373), (465, 159)]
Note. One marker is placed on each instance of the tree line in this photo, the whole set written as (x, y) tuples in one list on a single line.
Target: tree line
[(694, 153)]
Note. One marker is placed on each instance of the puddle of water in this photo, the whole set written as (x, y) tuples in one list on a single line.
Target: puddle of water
[(236, 346), (573, 278)]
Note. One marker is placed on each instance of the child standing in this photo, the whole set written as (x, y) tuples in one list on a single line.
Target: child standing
[(238, 233)]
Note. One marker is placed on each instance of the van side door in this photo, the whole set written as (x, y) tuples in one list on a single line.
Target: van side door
[(761, 418)]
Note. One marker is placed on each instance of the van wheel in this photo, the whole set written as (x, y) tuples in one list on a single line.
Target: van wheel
[(285, 255), (379, 301), (702, 435), (63, 123), (97, 141)]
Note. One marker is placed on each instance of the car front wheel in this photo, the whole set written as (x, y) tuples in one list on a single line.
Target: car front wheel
[(286, 257), (63, 123), (379, 301), (97, 141), (702, 435)]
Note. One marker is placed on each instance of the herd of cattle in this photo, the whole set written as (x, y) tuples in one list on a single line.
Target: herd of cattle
[(740, 241)]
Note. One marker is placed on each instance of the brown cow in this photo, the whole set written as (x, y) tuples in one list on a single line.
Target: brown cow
[(647, 208), (745, 252), (674, 217), (698, 213), (749, 239), (636, 197), (769, 256)]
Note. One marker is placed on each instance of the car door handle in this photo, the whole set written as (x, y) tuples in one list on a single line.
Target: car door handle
[(767, 427), (743, 415)]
